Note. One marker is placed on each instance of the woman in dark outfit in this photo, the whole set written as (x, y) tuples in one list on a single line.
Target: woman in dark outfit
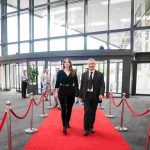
[(66, 83)]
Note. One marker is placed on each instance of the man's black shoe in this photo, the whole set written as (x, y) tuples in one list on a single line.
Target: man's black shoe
[(92, 130), (85, 133)]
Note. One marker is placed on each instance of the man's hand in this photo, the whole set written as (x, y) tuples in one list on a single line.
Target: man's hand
[(100, 97)]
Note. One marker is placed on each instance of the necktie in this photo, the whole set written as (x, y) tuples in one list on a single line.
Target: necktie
[(90, 81)]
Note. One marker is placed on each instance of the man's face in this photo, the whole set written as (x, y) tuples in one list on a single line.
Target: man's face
[(91, 65)]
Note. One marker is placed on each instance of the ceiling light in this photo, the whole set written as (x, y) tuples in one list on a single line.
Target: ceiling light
[(115, 2), (76, 26), (75, 8), (98, 23), (125, 20)]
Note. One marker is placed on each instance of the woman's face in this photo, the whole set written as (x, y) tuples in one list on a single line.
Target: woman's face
[(66, 64)]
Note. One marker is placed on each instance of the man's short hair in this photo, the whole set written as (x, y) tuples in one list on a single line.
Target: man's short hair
[(91, 59)]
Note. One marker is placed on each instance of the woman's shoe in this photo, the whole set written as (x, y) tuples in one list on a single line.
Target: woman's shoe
[(64, 130), (68, 126)]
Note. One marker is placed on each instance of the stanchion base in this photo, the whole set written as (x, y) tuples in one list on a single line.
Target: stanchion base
[(43, 115), (109, 116), (121, 128), (33, 130)]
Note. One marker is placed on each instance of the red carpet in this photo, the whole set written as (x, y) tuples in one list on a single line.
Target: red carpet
[(50, 136)]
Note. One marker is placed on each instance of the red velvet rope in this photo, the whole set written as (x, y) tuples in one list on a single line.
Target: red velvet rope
[(37, 104), (22, 117), (134, 113), (115, 103), (3, 120)]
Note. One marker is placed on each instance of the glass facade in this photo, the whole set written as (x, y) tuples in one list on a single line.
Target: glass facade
[(93, 21), (142, 41), (142, 13), (75, 23), (24, 25), (143, 78), (100, 26), (57, 20), (96, 20)]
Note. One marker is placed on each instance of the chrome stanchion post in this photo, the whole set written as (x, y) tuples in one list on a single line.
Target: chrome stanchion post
[(147, 146), (110, 98), (31, 129), (50, 102), (43, 108), (121, 128), (8, 104)]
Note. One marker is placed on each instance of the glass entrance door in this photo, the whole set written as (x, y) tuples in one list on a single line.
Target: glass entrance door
[(18, 69), (115, 76), (143, 78), (41, 68)]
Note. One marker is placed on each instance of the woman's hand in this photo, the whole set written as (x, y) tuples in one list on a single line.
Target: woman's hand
[(100, 97), (56, 93)]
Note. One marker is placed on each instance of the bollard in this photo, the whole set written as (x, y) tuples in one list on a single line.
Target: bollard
[(109, 112), (121, 128), (31, 129), (43, 108), (8, 104)]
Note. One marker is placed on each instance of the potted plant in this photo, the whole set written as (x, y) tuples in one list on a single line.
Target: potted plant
[(32, 74)]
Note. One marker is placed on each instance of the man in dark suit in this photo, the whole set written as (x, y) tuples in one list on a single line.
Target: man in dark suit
[(91, 92)]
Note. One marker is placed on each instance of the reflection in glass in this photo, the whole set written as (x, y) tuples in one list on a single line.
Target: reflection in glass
[(57, 21), (120, 40), (24, 26), (7, 77), (12, 28), (143, 79), (12, 49), (102, 67), (12, 76), (98, 41), (41, 68), (57, 45), (40, 23), (76, 43), (75, 18), (24, 47), (142, 13), (2, 76), (120, 14), (40, 46), (24, 4), (11, 6), (39, 2), (142, 41), (115, 76), (97, 16)]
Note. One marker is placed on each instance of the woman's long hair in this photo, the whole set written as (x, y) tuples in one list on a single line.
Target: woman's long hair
[(72, 71)]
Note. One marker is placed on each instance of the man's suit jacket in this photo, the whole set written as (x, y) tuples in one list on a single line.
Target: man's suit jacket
[(98, 85)]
